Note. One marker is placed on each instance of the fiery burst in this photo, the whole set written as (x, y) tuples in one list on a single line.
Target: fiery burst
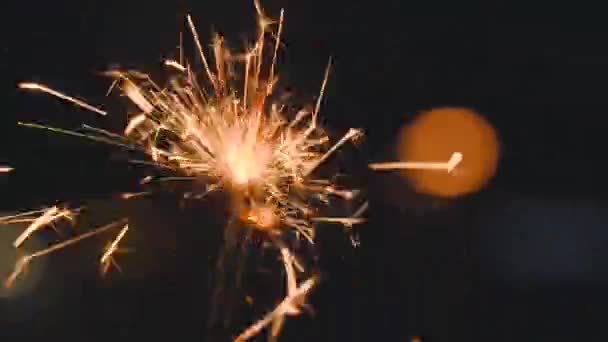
[(223, 125)]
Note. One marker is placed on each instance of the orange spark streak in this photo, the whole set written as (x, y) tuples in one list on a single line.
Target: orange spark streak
[(50, 216), (23, 262), (448, 166), (289, 306), (200, 49), (107, 257), (43, 88)]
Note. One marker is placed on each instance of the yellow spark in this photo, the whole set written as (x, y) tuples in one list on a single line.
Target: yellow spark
[(289, 306), (274, 55), (107, 257), (201, 53), (23, 262), (20, 216), (280, 310), (134, 122), (175, 64), (43, 88), (448, 166), (134, 93), (48, 217), (344, 220), (351, 134), (129, 195)]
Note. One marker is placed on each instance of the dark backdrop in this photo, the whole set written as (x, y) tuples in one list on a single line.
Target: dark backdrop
[(525, 259)]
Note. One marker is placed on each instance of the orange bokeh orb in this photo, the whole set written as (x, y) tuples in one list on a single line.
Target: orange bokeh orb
[(438, 133)]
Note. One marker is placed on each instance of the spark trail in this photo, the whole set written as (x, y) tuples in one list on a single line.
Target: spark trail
[(448, 166)]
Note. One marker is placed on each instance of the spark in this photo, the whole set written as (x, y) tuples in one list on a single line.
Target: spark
[(352, 134), (22, 217), (129, 195), (175, 64), (349, 221), (47, 218), (43, 88), (107, 258), (197, 41), (448, 166), (5, 169), (290, 305), (24, 261)]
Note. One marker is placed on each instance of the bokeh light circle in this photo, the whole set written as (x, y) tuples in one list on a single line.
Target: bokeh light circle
[(436, 134)]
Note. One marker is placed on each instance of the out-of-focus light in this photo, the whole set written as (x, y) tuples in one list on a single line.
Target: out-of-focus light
[(435, 135)]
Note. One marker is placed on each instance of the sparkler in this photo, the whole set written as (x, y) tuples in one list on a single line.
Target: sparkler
[(225, 128)]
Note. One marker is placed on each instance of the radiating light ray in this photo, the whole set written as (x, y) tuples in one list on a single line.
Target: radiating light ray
[(23, 262), (274, 55), (279, 311), (448, 166), (43, 88), (362, 209), (322, 91), (294, 299), (130, 195), (107, 259), (104, 140), (47, 218), (344, 220), (11, 218), (201, 52), (351, 134), (176, 65)]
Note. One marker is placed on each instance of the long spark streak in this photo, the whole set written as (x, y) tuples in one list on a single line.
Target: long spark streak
[(351, 134), (79, 135), (48, 217), (5, 169), (448, 166), (344, 220), (274, 55), (11, 218), (322, 91), (23, 262), (43, 88), (280, 310), (107, 258), (200, 49), (289, 305)]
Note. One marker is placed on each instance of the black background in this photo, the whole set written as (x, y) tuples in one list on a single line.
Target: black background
[(525, 259)]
